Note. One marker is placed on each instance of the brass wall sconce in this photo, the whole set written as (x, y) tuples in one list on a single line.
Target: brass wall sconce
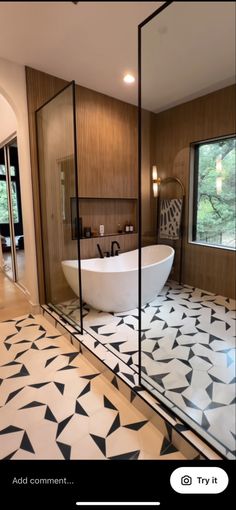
[(156, 181)]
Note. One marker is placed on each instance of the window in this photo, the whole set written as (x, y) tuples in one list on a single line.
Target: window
[(214, 192), (13, 180), (4, 216)]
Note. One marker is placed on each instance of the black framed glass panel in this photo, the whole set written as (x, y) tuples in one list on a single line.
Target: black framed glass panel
[(57, 158), (187, 99)]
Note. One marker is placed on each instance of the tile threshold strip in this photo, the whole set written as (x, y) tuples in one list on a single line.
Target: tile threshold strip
[(118, 503)]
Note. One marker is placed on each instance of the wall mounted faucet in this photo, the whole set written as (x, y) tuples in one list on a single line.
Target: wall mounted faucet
[(112, 253), (100, 251), (115, 252)]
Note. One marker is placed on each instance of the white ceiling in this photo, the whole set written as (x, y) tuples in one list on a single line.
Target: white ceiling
[(94, 43), (188, 50)]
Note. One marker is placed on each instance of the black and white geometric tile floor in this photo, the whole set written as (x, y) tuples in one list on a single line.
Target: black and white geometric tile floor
[(56, 405), (188, 352)]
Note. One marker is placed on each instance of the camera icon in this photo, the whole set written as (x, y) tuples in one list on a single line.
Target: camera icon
[(186, 480)]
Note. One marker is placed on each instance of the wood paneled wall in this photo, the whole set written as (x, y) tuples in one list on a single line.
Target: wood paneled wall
[(107, 166), (57, 183), (88, 247), (210, 116), (149, 203), (107, 146), (40, 88)]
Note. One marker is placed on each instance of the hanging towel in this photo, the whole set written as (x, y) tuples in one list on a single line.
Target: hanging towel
[(170, 218)]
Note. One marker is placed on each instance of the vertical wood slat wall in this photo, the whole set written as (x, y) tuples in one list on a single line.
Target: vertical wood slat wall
[(40, 88)]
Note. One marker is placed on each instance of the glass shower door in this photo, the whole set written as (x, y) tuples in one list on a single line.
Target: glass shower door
[(185, 333), (6, 225), (58, 178), (16, 211)]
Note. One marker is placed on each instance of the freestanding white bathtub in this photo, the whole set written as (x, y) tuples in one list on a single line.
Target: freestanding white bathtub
[(111, 284)]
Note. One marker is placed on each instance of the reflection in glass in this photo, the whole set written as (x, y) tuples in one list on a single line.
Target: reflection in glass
[(4, 213), (57, 171), (5, 230), (188, 134), (17, 221)]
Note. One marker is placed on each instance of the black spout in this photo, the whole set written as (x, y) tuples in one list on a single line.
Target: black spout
[(112, 248), (100, 251)]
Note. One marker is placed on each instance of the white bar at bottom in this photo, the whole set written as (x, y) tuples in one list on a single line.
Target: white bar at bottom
[(118, 503)]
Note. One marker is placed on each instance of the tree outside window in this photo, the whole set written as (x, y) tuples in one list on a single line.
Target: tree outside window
[(4, 214), (214, 183)]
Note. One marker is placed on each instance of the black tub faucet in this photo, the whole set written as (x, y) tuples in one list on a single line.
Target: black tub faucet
[(112, 248), (100, 251)]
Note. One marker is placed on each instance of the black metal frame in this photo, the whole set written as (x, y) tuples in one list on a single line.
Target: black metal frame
[(77, 203), (164, 405), (73, 85), (140, 26), (73, 219)]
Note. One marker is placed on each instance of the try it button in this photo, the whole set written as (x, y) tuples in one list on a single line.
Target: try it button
[(199, 480)]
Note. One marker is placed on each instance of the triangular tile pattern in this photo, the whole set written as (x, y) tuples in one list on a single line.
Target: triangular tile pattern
[(187, 344), (50, 412)]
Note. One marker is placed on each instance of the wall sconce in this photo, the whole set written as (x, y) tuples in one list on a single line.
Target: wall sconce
[(156, 181)]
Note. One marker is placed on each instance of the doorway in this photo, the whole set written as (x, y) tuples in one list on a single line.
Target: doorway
[(11, 225)]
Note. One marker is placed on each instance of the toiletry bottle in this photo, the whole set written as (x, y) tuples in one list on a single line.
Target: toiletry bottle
[(95, 232), (131, 227), (127, 227), (101, 230), (87, 232)]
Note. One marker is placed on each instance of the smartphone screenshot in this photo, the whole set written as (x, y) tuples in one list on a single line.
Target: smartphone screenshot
[(117, 254)]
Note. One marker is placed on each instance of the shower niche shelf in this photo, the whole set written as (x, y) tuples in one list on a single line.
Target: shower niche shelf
[(109, 235), (112, 212)]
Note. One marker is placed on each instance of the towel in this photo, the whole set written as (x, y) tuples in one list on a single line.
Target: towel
[(170, 218)]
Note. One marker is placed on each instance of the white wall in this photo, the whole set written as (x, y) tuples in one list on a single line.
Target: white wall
[(13, 89), (7, 120)]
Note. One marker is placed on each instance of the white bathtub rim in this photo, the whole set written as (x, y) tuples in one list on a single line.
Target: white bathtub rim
[(119, 270)]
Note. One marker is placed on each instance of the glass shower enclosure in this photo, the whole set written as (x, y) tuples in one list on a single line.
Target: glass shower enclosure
[(182, 109), (58, 183)]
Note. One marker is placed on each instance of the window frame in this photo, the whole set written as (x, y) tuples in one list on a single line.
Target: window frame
[(193, 192)]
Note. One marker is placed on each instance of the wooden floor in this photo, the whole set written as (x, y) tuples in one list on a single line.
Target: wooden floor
[(20, 263), (12, 300)]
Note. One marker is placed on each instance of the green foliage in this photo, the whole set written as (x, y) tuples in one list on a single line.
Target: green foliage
[(4, 215), (216, 209)]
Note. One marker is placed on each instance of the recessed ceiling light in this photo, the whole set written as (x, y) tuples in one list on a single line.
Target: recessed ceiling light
[(129, 78)]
